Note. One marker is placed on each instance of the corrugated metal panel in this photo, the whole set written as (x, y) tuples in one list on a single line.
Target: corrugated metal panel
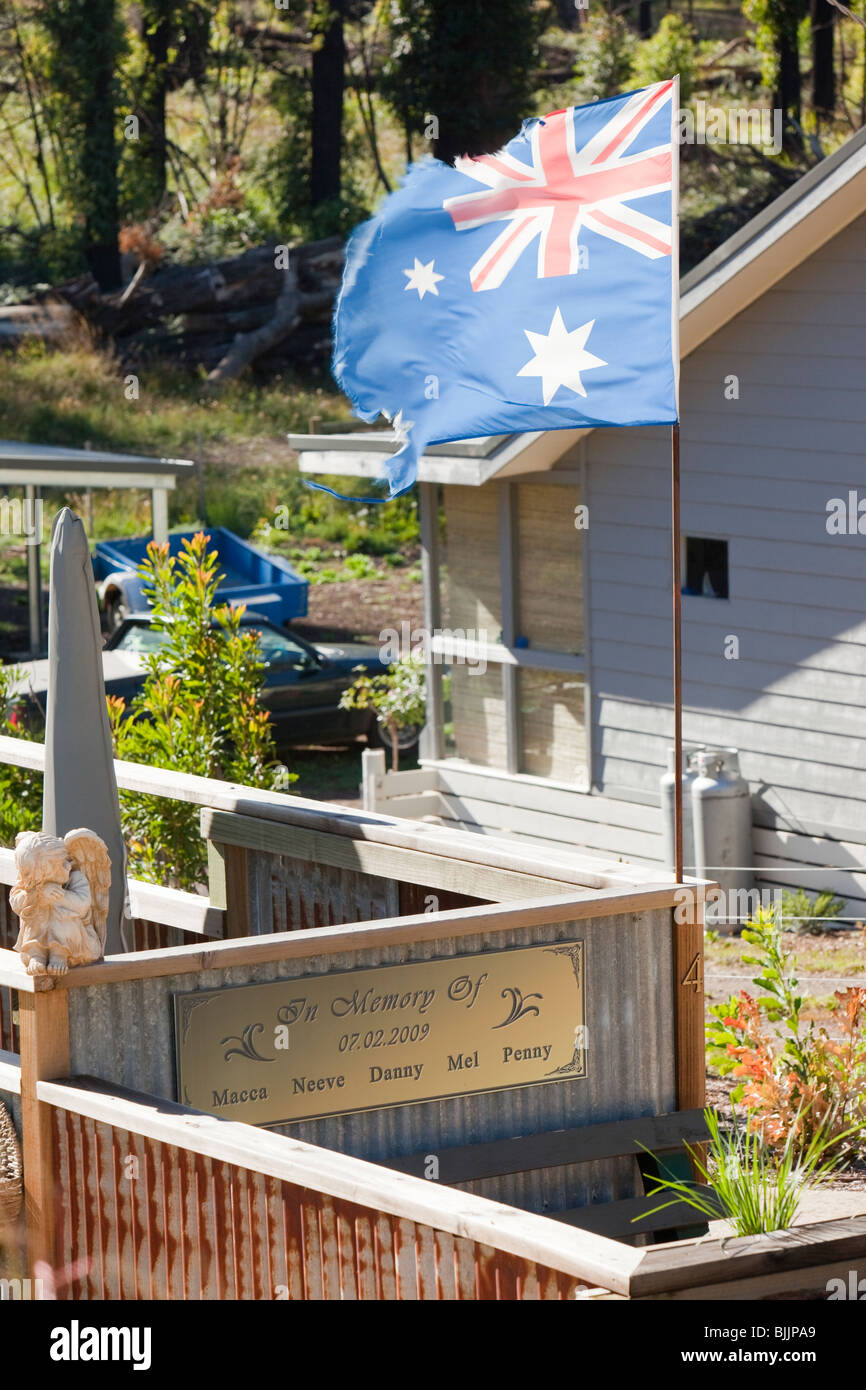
[(293, 894), (123, 1033), (144, 1220)]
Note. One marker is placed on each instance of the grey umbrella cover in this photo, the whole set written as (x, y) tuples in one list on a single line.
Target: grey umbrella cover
[(80, 787)]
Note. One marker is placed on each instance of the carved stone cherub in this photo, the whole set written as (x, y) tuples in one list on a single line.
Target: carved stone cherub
[(61, 896)]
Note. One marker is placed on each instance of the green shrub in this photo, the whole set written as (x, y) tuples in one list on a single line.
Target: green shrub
[(670, 50), (744, 1181), (605, 57), (797, 1081), (397, 695), (199, 711), (20, 788), (360, 567), (807, 916)]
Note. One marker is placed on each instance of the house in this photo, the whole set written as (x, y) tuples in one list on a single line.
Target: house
[(556, 620)]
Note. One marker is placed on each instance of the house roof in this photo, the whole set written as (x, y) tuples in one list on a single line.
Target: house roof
[(772, 244)]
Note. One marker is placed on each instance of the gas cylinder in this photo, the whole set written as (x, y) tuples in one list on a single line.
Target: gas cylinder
[(722, 821), (666, 784)]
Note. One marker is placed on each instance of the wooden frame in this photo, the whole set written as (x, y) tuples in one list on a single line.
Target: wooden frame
[(322, 941)]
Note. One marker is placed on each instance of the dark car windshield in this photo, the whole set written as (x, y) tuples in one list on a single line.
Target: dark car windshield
[(274, 646), (140, 637)]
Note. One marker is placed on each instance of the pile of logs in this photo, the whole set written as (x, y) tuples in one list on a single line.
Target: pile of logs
[(248, 310)]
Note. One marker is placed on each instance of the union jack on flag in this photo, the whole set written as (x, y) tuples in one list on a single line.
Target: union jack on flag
[(532, 289)]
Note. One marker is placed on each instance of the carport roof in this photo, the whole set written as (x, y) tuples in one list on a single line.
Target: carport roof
[(52, 464)]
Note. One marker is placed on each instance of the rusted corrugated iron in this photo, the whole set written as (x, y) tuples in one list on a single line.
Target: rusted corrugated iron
[(137, 1219)]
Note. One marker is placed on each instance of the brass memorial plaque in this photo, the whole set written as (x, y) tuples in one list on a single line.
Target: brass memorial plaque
[(366, 1039)]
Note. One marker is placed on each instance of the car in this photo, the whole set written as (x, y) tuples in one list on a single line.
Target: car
[(302, 687)]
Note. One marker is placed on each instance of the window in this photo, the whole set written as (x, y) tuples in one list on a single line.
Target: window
[(277, 647), (549, 572), (511, 627), (706, 567), (550, 714), (141, 638), (475, 727), (469, 562)]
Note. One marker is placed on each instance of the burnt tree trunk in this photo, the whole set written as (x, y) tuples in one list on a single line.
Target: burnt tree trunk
[(157, 35), (327, 121), (787, 94), (99, 164), (823, 71)]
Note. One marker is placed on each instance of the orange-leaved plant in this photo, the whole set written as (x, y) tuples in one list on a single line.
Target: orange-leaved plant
[(796, 1079)]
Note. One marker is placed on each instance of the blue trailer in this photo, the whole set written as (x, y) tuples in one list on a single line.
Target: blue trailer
[(262, 582)]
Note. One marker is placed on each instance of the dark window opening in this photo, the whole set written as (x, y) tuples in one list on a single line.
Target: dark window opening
[(706, 567)]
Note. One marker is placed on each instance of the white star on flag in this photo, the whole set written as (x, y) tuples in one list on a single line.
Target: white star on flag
[(401, 428), (422, 278), (560, 357)]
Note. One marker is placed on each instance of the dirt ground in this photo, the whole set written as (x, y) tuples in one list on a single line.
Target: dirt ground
[(359, 609)]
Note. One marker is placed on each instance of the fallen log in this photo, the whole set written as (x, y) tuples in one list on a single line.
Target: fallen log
[(222, 317), (248, 346)]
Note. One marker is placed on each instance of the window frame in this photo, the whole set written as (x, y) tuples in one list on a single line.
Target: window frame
[(504, 653)]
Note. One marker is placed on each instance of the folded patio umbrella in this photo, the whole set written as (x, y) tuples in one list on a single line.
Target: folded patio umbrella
[(80, 788)]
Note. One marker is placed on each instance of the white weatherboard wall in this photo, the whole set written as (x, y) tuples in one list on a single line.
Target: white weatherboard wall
[(757, 472)]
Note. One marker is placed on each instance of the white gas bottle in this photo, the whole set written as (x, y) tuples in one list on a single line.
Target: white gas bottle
[(666, 784), (722, 820)]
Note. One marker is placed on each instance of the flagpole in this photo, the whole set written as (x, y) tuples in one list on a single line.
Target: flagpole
[(678, 651)]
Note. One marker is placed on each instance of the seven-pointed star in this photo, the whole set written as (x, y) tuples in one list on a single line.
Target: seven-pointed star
[(560, 357), (422, 278)]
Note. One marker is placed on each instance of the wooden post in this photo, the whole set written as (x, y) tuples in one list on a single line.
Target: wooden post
[(44, 1031), (678, 652), (159, 514), (687, 925), (428, 514), (34, 575), (237, 891)]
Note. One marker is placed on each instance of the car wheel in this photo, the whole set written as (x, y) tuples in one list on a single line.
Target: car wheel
[(407, 739), (116, 611)]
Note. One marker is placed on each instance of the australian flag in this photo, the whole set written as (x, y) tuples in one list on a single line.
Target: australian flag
[(533, 289)]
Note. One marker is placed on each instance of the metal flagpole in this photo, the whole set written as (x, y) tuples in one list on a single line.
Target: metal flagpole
[(678, 651)]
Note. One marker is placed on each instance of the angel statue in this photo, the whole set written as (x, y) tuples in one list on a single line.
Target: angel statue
[(61, 896)]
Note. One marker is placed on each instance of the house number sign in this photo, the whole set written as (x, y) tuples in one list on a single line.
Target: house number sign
[(397, 1034)]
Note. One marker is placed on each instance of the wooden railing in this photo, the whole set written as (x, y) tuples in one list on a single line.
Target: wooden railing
[(158, 1201)]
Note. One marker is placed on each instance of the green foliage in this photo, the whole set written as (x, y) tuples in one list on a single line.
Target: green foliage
[(605, 56), (199, 711), (286, 168), (670, 50), (20, 788), (797, 1080), (439, 52), (773, 22), (747, 1183), (358, 527), (781, 1000), (805, 915), (361, 567), (397, 695)]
